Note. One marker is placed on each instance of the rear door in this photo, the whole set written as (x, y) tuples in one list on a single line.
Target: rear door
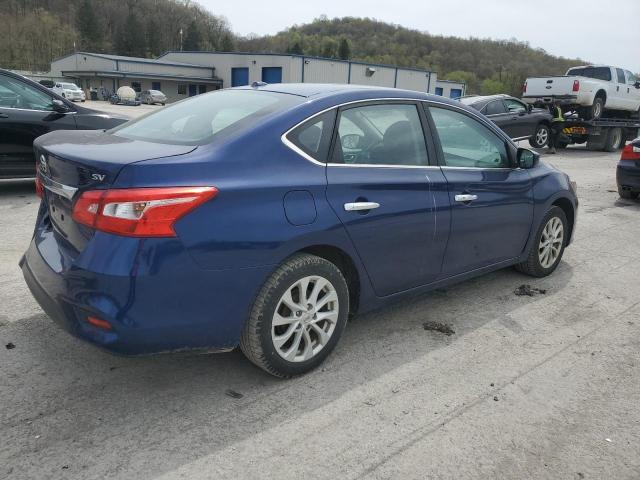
[(497, 112), (491, 202), (391, 200), (25, 114), (523, 123)]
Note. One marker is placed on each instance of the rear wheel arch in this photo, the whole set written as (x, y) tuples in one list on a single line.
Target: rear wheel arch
[(345, 264), (568, 209), (601, 94)]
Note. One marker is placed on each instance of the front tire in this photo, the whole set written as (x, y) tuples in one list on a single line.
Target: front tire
[(627, 194), (541, 136), (548, 246), (297, 318)]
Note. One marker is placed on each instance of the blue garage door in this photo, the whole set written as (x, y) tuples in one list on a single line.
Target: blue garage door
[(439, 91), (239, 76), (272, 74), (455, 93)]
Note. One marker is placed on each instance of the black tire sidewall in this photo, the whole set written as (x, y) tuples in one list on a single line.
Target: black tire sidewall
[(533, 140), (320, 268), (552, 212), (593, 108)]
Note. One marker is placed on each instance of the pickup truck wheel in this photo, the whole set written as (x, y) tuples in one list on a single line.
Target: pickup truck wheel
[(548, 245), (298, 317), (541, 136), (596, 109)]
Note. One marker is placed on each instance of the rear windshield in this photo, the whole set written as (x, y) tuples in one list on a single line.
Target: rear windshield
[(197, 120), (601, 73)]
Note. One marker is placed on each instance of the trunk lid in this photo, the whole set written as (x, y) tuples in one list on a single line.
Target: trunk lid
[(548, 86), (70, 162)]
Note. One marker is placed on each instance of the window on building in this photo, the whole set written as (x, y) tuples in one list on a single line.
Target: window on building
[(439, 91), (136, 87), (155, 86), (466, 142), (182, 89)]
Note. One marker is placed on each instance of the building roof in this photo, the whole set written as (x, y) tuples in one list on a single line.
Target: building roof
[(121, 58)]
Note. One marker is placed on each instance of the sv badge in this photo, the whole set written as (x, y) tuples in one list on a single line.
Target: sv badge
[(97, 177)]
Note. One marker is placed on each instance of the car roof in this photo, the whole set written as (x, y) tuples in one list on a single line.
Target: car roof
[(484, 99), (320, 90)]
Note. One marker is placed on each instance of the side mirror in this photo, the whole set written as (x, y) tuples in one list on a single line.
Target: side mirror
[(529, 107), (527, 158), (59, 106)]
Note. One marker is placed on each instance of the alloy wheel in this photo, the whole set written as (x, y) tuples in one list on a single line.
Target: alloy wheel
[(305, 318), (550, 244), (542, 135)]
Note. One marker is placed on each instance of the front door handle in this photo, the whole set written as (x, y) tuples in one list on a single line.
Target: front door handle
[(358, 206), (4, 115), (466, 198)]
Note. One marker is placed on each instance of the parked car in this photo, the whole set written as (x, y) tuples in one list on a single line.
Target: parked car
[(628, 171), (518, 120), (594, 90), (28, 110), (151, 97), (125, 96), (264, 216), (70, 91)]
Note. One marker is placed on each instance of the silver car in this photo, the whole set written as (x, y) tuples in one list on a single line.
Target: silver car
[(153, 96)]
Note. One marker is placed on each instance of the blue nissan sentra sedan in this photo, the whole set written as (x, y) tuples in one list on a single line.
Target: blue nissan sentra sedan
[(264, 216)]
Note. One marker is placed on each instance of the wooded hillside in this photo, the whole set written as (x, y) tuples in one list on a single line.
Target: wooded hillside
[(34, 32), (487, 66)]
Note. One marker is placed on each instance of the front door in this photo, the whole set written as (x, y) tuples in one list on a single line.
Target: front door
[(491, 202), (524, 124), (25, 113), (393, 204)]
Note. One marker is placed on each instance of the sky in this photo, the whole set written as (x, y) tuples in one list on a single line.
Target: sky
[(598, 31)]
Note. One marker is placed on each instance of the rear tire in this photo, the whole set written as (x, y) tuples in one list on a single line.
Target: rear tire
[(614, 140), (548, 245), (627, 194), (541, 136), (596, 110), (308, 299)]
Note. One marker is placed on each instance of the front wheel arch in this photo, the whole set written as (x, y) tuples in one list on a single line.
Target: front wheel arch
[(567, 207)]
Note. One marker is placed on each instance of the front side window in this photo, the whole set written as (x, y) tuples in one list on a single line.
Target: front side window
[(631, 78), (515, 106), (17, 94), (468, 143), (197, 121), (494, 108), (314, 137), (620, 74), (386, 134)]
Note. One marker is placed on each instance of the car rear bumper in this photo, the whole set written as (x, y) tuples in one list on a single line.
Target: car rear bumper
[(628, 175), (547, 100), (172, 305)]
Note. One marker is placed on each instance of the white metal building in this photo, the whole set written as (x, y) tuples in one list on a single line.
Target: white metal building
[(177, 80), (181, 74)]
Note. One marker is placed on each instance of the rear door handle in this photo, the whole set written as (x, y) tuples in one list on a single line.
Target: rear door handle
[(4, 115), (466, 198), (358, 206)]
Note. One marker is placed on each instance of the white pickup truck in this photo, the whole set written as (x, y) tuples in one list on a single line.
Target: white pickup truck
[(592, 89)]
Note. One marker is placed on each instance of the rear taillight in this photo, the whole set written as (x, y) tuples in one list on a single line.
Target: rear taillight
[(630, 152), (524, 87), (139, 212), (39, 187), (576, 86)]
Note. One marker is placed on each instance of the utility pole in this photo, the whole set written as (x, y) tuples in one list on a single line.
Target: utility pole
[(181, 39)]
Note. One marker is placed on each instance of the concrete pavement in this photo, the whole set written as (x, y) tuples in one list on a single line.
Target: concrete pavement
[(546, 386)]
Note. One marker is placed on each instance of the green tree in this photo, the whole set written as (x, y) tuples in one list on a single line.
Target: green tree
[(132, 40), (227, 44), (469, 78), (344, 49), (295, 49), (89, 27), (193, 40), (491, 87)]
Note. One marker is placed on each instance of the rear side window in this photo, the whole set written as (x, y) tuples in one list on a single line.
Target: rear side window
[(385, 134), (494, 108), (199, 120), (599, 73), (466, 142), (314, 136)]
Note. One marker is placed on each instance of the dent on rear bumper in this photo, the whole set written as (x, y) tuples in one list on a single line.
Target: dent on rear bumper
[(158, 305)]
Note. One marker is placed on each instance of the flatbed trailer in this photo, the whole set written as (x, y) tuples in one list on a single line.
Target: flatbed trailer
[(604, 134)]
